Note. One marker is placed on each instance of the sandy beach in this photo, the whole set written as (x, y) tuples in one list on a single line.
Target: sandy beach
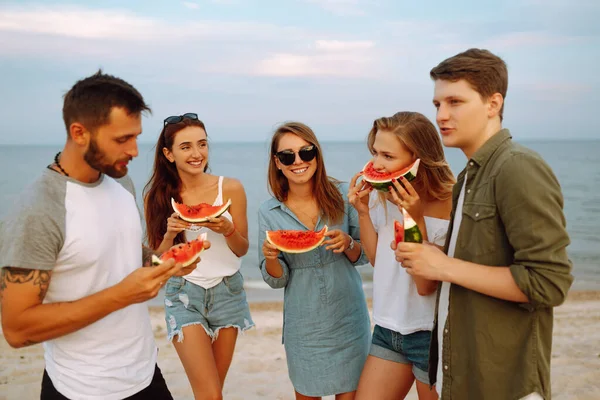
[(259, 369)]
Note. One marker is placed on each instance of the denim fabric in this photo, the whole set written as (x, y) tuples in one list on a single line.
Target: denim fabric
[(221, 306), (410, 349), (326, 328)]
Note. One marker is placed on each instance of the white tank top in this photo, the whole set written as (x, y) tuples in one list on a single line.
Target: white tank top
[(218, 261)]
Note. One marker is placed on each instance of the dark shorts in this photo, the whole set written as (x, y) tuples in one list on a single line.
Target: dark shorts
[(412, 349), (157, 390)]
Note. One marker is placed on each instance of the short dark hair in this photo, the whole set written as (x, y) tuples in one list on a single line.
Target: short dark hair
[(483, 70), (91, 100)]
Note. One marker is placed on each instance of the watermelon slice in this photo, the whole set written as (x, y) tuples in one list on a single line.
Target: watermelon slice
[(398, 232), (200, 212), (296, 241), (185, 253), (412, 233), (383, 180)]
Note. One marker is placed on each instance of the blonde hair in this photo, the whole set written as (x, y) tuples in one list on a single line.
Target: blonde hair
[(325, 190), (420, 137)]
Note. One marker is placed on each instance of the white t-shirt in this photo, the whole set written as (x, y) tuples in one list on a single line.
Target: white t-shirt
[(396, 303), (90, 237), (445, 290)]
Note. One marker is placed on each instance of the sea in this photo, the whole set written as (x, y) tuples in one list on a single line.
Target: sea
[(575, 163)]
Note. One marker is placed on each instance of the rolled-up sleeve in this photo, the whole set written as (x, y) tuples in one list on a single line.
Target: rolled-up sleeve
[(530, 204), (275, 283)]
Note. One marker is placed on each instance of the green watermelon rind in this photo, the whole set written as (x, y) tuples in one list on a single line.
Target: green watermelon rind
[(284, 249), (157, 260), (383, 185), (412, 233), (220, 212)]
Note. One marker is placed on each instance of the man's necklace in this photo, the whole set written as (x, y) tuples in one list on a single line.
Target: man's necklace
[(58, 164)]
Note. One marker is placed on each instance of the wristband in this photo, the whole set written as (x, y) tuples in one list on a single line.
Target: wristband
[(351, 245)]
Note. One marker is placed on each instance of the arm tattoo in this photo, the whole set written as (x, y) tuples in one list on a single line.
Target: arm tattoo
[(147, 254), (14, 275)]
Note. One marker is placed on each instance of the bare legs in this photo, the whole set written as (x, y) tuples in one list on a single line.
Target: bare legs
[(205, 363)]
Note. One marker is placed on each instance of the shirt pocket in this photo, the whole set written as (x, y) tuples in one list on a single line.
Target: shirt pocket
[(174, 285), (478, 228)]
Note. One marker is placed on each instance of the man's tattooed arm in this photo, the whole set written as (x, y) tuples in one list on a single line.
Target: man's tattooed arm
[(13, 275), (22, 276), (147, 254)]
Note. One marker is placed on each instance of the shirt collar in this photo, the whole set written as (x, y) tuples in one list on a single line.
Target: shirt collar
[(482, 155)]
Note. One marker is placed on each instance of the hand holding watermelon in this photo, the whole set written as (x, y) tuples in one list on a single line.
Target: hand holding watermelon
[(358, 194), (175, 225), (338, 242), (220, 225), (406, 197), (269, 251), (143, 284)]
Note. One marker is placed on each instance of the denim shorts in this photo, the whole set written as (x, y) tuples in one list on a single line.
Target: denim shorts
[(410, 349), (221, 306)]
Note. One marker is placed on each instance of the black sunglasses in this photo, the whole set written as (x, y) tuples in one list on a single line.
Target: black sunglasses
[(287, 157), (175, 119)]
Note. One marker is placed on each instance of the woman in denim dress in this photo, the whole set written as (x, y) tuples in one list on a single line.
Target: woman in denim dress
[(326, 328), (207, 308)]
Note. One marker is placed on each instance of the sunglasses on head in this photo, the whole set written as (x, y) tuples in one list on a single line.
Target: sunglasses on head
[(175, 119), (287, 157)]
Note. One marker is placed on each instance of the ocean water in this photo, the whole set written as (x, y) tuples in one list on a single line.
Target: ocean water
[(576, 164)]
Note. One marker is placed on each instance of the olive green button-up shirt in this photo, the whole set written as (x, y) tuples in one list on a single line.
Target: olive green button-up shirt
[(512, 216)]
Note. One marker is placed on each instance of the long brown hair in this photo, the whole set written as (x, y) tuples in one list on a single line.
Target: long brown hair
[(420, 137), (164, 184), (325, 191)]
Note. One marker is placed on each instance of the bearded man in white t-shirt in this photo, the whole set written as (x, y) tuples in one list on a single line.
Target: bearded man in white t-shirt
[(70, 256)]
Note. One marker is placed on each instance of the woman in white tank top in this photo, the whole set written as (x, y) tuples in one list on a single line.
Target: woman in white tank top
[(207, 307), (403, 307)]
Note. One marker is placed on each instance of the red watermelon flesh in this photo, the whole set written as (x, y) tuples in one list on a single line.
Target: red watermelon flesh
[(383, 180), (290, 241), (184, 253), (199, 212), (398, 232)]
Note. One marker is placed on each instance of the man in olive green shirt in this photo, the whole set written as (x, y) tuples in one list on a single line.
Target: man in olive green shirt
[(506, 264)]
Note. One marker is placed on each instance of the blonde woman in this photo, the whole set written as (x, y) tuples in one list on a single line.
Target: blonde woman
[(403, 306)]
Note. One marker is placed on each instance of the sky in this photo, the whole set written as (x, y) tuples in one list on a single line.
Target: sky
[(246, 66)]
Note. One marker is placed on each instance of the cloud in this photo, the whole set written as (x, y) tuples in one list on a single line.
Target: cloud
[(286, 64), (339, 45), (208, 46), (75, 22), (327, 58), (190, 5), (340, 7)]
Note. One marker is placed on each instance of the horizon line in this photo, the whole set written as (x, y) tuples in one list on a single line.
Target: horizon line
[(144, 143)]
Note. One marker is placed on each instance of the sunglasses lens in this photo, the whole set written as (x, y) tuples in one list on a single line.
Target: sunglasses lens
[(190, 115), (308, 153), (173, 120), (286, 157)]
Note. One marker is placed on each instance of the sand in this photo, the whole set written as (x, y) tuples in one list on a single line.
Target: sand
[(259, 369)]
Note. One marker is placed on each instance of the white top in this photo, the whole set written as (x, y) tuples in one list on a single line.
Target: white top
[(396, 303), (217, 262), (445, 291), (90, 237)]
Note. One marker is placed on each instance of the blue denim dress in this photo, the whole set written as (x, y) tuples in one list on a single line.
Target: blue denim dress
[(326, 326)]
